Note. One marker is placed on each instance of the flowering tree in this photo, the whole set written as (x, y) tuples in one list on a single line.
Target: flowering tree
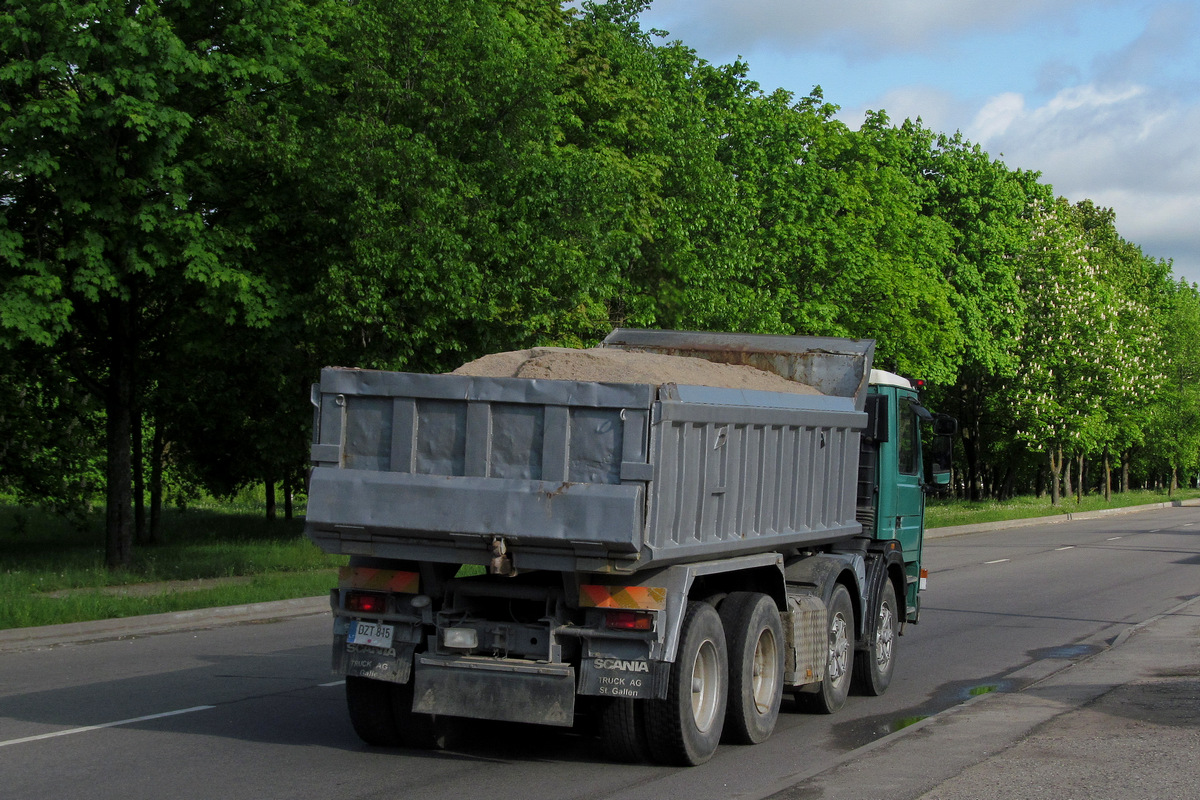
[(1079, 357)]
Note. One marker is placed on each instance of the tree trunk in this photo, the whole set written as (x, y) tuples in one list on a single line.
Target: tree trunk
[(157, 451), (288, 490), (269, 483), (1079, 485), (1056, 460), (1107, 476), (1126, 458), (972, 456), (140, 533), (1065, 464), (119, 402)]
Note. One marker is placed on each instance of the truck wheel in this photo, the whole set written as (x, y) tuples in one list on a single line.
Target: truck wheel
[(685, 728), (370, 705), (416, 730), (835, 686), (874, 666), (755, 637), (622, 730)]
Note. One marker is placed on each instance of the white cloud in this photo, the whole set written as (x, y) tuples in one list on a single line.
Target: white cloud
[(997, 116), (937, 109), (1130, 148), (857, 25)]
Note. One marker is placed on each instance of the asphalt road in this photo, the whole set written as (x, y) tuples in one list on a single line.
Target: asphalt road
[(252, 710)]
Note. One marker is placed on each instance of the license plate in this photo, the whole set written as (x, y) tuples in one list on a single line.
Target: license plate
[(370, 634)]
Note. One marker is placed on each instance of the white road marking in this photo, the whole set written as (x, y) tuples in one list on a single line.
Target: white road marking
[(1068, 547), (87, 728), (1114, 538), (998, 561), (333, 683)]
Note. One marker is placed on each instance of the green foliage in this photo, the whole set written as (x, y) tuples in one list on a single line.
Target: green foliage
[(202, 203)]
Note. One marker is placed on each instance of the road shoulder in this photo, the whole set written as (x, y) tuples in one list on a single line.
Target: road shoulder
[(1123, 723)]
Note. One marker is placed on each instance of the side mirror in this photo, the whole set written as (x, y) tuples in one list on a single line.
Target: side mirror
[(941, 451), (944, 425)]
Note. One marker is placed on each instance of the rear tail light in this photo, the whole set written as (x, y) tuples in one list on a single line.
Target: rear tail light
[(366, 602), (628, 621)]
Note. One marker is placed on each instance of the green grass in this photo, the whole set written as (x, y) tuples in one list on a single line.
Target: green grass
[(52, 571), (943, 513)]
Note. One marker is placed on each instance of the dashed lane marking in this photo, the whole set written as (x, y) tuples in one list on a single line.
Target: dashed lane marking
[(87, 728)]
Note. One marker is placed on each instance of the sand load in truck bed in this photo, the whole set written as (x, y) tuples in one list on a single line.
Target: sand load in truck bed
[(609, 365)]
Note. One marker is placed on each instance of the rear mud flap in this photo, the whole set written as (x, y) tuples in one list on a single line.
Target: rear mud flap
[(505, 690), (393, 664)]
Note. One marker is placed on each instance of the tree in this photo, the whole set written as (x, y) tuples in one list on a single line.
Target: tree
[(111, 221), (1075, 352), (1174, 421)]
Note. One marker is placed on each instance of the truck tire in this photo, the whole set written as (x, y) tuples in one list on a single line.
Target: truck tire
[(754, 635), (416, 730), (685, 728), (371, 714), (873, 667), (839, 664), (622, 730)]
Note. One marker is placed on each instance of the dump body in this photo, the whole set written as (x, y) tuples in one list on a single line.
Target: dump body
[(592, 477)]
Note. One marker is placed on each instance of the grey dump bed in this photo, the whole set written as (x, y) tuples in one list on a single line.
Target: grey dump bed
[(593, 477)]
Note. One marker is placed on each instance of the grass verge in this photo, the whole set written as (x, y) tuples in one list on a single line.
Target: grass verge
[(52, 571), (943, 513)]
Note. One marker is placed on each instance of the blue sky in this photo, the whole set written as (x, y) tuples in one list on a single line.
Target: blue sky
[(1100, 96)]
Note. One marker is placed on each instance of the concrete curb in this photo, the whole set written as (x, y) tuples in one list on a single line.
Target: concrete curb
[(14, 639)]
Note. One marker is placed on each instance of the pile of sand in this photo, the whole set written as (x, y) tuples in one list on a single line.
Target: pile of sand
[(610, 365)]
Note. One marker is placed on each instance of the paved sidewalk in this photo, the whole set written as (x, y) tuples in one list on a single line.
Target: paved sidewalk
[(1122, 725)]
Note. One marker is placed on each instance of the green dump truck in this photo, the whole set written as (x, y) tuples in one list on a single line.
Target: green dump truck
[(662, 558)]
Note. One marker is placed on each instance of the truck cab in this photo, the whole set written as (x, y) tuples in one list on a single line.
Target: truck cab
[(897, 471)]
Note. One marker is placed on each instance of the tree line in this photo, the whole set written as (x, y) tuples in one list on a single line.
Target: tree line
[(202, 203)]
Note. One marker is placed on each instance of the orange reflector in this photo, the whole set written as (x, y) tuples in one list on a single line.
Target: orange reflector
[(628, 621), (644, 597), (379, 580)]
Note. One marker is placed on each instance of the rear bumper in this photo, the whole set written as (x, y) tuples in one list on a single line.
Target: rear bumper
[(505, 690)]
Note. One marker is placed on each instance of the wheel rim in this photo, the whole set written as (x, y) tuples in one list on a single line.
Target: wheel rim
[(885, 637), (765, 679), (839, 649), (705, 686)]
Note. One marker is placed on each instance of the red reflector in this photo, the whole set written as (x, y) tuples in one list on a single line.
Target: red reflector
[(628, 621), (366, 602)]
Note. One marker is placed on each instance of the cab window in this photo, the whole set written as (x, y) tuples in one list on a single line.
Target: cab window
[(909, 441)]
